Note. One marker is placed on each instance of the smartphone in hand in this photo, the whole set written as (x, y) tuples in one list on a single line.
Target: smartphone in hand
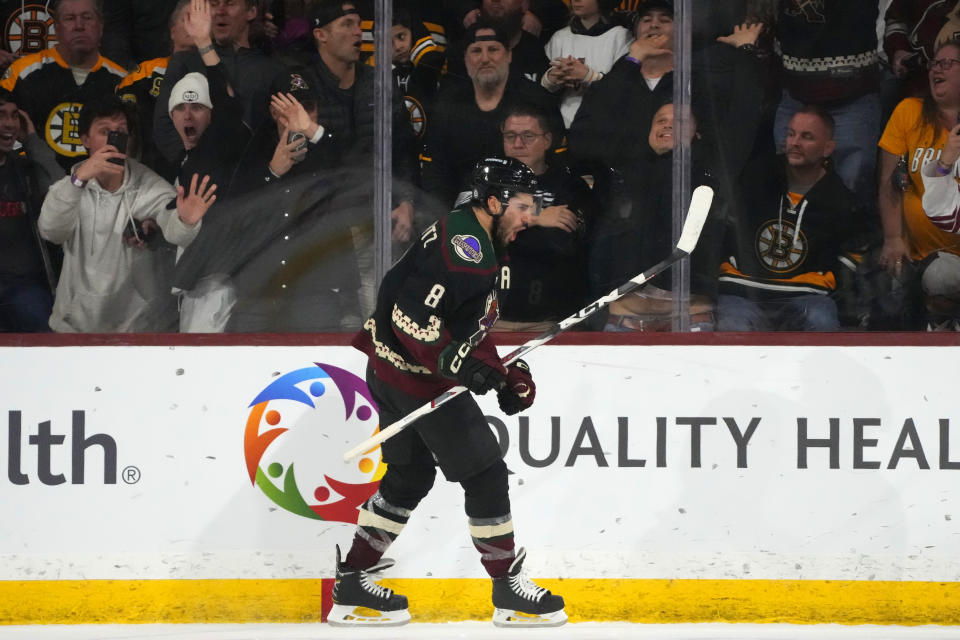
[(131, 231), (296, 135), (119, 140)]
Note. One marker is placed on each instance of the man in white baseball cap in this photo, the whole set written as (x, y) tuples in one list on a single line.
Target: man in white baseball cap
[(190, 108), (213, 141)]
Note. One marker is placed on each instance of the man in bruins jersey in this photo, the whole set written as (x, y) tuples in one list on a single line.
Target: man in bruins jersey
[(53, 85), (428, 333), (794, 219)]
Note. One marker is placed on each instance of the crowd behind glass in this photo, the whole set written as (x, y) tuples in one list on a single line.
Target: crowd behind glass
[(208, 165)]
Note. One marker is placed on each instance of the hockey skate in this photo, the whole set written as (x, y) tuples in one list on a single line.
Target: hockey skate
[(359, 601), (521, 603)]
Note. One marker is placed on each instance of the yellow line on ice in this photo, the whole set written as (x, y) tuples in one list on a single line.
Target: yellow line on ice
[(437, 600)]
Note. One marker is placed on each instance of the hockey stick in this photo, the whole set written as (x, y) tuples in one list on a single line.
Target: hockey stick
[(699, 207)]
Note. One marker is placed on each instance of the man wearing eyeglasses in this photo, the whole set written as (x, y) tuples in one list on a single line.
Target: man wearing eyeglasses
[(548, 261), (465, 125)]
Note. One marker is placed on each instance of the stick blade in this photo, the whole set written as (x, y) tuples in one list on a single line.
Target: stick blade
[(700, 203)]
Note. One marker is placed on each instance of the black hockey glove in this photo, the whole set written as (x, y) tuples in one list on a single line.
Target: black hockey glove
[(477, 370), (519, 392)]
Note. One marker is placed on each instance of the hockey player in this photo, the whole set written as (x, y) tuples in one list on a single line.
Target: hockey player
[(428, 333)]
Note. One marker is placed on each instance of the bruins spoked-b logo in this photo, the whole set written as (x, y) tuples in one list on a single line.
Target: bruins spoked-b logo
[(63, 129), (29, 29), (778, 248), (418, 118)]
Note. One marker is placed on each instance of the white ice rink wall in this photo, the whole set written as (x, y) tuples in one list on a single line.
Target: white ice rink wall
[(657, 482)]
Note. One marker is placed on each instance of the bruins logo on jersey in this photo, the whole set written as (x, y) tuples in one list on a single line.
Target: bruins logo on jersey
[(29, 29), (418, 117), (776, 247), (63, 129)]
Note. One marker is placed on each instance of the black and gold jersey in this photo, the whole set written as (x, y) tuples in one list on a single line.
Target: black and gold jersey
[(787, 243), (142, 86), (44, 86)]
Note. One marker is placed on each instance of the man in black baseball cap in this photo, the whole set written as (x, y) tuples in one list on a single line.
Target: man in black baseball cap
[(655, 19), (661, 5), (486, 30), (323, 12), (528, 58), (337, 34)]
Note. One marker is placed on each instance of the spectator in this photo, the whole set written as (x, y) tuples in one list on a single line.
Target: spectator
[(53, 85), (299, 270), (626, 98), (288, 144), (141, 88), (28, 265), (248, 70), (466, 125), (913, 31), (941, 197), (829, 56), (213, 135), (417, 63), (636, 230), (539, 18), (527, 57), (346, 113), (422, 17), (941, 202), (914, 138), (794, 218), (202, 100), (635, 181), (583, 52), (548, 260), (136, 30), (112, 281)]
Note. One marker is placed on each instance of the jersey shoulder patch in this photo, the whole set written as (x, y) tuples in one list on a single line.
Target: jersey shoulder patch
[(466, 245)]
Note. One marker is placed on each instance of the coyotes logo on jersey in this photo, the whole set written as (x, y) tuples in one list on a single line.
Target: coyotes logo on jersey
[(950, 29)]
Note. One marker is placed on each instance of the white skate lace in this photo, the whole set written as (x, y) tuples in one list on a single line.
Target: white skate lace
[(525, 588), (372, 587)]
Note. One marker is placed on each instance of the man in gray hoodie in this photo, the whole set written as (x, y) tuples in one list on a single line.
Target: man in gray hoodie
[(115, 278)]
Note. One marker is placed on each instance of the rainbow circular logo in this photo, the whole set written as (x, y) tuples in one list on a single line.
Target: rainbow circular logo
[(297, 430)]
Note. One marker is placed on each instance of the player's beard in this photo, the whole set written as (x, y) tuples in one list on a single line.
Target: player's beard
[(496, 234)]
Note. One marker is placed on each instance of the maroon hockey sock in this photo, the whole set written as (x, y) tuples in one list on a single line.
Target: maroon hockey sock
[(378, 525), (361, 554), (493, 538)]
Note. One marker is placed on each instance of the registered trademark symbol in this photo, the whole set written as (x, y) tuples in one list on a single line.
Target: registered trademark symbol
[(130, 475)]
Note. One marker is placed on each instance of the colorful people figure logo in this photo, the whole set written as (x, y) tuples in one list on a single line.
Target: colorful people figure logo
[(297, 429)]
